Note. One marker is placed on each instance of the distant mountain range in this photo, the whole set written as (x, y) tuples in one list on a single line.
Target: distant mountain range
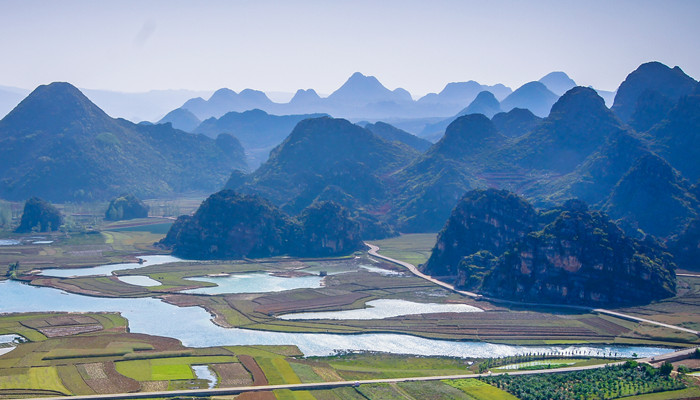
[(636, 160), (581, 149), (364, 97), (58, 145)]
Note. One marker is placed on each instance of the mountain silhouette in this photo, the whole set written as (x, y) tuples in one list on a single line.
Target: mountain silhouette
[(58, 145), (515, 122), (558, 82), (652, 76), (533, 96), (257, 130), (182, 119)]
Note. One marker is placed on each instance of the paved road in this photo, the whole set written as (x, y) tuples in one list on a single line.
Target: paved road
[(373, 251), (331, 385)]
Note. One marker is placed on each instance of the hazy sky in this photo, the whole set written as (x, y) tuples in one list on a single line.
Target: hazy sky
[(286, 45)]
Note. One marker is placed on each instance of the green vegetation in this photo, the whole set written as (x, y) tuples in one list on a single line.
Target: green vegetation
[(58, 135), (40, 378), (413, 248), (604, 383), (126, 207), (479, 390), (229, 225), (39, 216), (500, 246), (379, 365)]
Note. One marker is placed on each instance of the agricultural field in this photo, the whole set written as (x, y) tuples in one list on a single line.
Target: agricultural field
[(350, 290), (681, 310), (94, 354), (610, 382), (414, 248)]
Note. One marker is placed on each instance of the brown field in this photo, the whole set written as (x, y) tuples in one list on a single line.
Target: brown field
[(233, 374), (256, 396), (252, 366)]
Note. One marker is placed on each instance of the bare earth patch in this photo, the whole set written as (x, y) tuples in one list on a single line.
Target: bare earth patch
[(232, 374)]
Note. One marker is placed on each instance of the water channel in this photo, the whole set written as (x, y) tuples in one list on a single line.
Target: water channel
[(193, 326)]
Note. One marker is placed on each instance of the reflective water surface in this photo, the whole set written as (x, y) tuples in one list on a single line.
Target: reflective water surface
[(193, 326)]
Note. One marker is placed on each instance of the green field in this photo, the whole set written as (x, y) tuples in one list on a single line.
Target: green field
[(480, 390), (414, 248)]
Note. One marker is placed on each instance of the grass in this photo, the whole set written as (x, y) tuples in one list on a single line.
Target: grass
[(384, 391), (432, 390), (480, 390), (286, 394), (376, 366), (44, 378), (166, 369), (689, 393), (414, 248)]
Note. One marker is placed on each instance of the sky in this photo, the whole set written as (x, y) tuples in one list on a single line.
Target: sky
[(135, 46)]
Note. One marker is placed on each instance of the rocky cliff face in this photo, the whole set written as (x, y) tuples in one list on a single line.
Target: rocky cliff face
[(483, 220), (328, 230), (497, 244), (581, 258)]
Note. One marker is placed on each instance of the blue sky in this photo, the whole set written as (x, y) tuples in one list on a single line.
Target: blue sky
[(286, 45)]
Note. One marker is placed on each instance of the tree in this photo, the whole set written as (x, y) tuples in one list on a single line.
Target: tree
[(666, 368)]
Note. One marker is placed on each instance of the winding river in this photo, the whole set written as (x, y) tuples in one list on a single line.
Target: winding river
[(193, 326)]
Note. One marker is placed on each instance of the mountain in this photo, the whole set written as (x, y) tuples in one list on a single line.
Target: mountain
[(594, 179), (677, 137), (305, 100), (257, 130), (226, 100), (9, 98), (652, 107), (471, 228), (534, 96), (433, 183), (558, 82), (321, 152), (182, 119), (57, 135), (393, 134), (231, 225), (608, 96), (500, 246), (39, 216), (328, 230), (484, 103), (124, 207), (652, 76), (361, 90), (143, 106), (686, 246), (460, 93), (578, 124), (653, 197), (516, 122)]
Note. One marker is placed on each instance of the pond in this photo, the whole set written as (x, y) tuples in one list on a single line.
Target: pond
[(254, 282), (205, 373), (104, 270), (193, 326), (385, 308), (9, 242)]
